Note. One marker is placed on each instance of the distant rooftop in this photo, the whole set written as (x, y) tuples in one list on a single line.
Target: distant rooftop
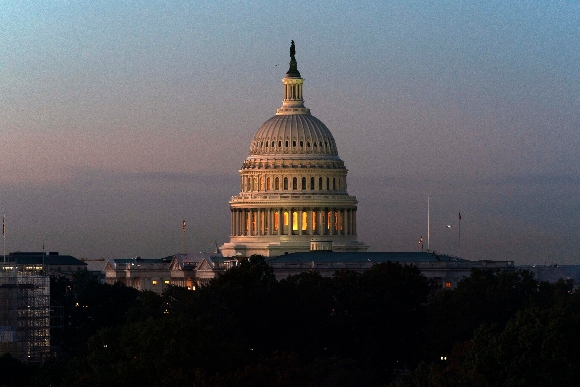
[(362, 257), (52, 258)]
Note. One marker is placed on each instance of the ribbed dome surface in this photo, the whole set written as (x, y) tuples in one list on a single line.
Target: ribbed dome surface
[(293, 134)]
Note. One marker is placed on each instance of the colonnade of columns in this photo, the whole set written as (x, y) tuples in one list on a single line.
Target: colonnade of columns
[(293, 221)]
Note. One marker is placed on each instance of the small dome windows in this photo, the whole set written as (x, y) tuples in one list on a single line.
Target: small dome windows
[(293, 133)]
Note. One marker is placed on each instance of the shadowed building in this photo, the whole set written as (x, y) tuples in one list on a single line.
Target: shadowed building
[(293, 191)]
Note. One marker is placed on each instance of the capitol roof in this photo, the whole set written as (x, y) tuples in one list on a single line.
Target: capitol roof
[(293, 133)]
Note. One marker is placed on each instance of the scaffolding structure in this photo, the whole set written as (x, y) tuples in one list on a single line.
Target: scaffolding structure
[(25, 312)]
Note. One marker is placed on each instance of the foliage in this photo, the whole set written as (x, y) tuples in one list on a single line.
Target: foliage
[(369, 328)]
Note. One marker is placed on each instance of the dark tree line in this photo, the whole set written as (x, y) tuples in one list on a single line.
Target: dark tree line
[(386, 326)]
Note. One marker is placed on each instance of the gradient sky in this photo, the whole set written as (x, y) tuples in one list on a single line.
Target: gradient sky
[(119, 119)]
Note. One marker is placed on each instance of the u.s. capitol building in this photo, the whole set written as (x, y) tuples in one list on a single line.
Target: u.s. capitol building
[(293, 189)]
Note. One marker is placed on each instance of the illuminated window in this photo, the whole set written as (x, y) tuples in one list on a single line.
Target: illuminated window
[(247, 222), (447, 284), (295, 221), (285, 218), (253, 221), (276, 221), (328, 220), (304, 221), (314, 220), (261, 180), (336, 220), (340, 220), (264, 222), (154, 282), (166, 282)]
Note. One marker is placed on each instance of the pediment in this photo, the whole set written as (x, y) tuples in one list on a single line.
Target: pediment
[(204, 265), (175, 264)]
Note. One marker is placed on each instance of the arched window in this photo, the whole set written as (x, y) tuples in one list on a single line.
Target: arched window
[(303, 183), (301, 144), (333, 184), (277, 184), (327, 183), (268, 184), (294, 184), (312, 183), (286, 183), (320, 183), (286, 143), (294, 143), (279, 144), (294, 221), (304, 221)]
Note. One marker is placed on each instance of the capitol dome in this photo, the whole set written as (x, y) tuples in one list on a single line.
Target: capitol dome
[(293, 195), (293, 134)]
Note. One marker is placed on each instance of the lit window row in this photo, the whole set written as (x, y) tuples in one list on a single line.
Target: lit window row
[(261, 183), (324, 145)]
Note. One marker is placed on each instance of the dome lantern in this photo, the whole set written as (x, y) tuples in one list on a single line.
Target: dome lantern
[(293, 102)]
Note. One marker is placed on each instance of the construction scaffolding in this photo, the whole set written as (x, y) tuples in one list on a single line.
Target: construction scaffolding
[(25, 312)]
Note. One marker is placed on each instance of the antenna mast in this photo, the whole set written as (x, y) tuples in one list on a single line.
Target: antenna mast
[(428, 223)]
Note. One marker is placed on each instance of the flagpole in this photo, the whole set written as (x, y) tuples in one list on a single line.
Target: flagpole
[(428, 223), (183, 238), (4, 234), (459, 250)]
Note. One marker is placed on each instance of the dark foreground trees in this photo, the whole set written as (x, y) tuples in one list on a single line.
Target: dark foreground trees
[(386, 325), (502, 329)]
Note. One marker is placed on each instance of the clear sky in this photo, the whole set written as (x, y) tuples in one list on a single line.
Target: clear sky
[(119, 119)]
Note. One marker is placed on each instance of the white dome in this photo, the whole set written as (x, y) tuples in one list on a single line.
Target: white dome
[(293, 134)]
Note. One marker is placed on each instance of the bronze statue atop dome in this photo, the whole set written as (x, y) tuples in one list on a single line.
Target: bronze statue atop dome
[(292, 50), (293, 71)]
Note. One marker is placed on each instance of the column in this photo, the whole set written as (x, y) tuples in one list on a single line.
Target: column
[(258, 222), (280, 221), (290, 221)]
